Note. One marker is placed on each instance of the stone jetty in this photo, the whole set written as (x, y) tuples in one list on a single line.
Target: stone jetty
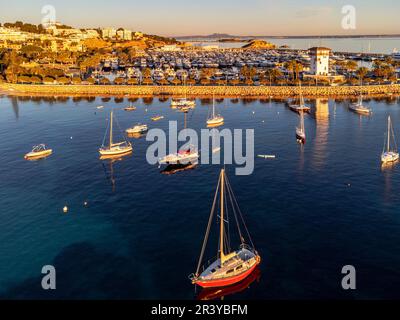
[(249, 91)]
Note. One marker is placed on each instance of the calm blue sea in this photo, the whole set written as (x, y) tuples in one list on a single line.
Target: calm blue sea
[(310, 211), (366, 45)]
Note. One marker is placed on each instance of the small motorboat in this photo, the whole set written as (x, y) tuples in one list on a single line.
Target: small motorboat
[(38, 152), (190, 155), (180, 103), (157, 118), (267, 156), (130, 108), (100, 107), (139, 128)]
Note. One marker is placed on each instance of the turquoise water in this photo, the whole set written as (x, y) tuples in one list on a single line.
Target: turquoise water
[(310, 212)]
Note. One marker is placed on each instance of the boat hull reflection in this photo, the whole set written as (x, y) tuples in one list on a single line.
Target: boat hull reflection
[(136, 135), (217, 293), (175, 168), (215, 125)]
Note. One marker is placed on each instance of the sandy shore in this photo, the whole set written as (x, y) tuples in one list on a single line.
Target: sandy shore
[(198, 91)]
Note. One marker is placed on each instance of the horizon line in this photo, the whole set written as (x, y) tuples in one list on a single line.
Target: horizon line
[(223, 35)]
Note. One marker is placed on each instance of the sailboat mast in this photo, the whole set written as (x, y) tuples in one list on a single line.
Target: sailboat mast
[(388, 134), (213, 106), (185, 120), (184, 84), (222, 217), (301, 95), (111, 128)]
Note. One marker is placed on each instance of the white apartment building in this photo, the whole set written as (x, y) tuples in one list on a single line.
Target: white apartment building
[(124, 34), (108, 33)]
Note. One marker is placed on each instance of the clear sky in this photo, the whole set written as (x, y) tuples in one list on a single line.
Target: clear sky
[(202, 17)]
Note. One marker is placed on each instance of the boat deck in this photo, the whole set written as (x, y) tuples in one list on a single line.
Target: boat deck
[(240, 262)]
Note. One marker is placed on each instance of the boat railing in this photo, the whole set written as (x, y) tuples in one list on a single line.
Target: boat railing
[(208, 263), (246, 246), (192, 277)]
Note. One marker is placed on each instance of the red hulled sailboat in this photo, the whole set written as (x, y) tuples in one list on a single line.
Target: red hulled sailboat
[(230, 267)]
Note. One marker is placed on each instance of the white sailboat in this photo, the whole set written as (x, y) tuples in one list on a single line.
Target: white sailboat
[(301, 131), (359, 107), (390, 152), (301, 106), (114, 149), (130, 108), (215, 119), (139, 128)]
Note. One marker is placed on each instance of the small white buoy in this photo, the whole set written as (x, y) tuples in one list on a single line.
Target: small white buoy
[(254, 112), (65, 209), (71, 138), (85, 203)]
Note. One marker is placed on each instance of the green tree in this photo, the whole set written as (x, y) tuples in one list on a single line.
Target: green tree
[(361, 73), (119, 81), (24, 79), (91, 81), (36, 80), (105, 81), (132, 81), (48, 80), (76, 80), (146, 73), (63, 80)]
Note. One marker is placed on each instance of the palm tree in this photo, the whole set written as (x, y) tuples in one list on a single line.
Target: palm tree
[(132, 81), (176, 82), (244, 72), (361, 73), (146, 73), (291, 67), (119, 81), (104, 81), (273, 75), (351, 65)]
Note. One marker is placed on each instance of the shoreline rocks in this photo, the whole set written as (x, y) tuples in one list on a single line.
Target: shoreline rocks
[(230, 91)]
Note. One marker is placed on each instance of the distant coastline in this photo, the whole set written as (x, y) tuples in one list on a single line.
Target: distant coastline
[(218, 36), (231, 91)]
